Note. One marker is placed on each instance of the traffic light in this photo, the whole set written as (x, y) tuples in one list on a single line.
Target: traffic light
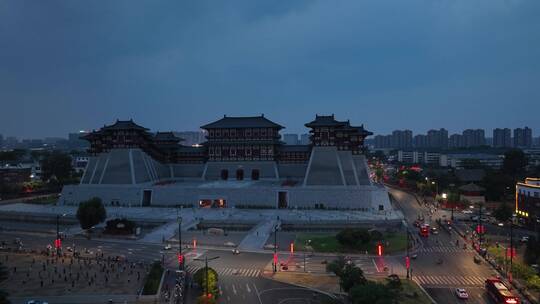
[(511, 252), (379, 250), (292, 247), (407, 262), (194, 243), (275, 259), (57, 243), (180, 259), (480, 229)]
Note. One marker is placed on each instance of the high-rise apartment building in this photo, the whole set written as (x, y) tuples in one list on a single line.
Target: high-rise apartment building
[(522, 137), (304, 139), (420, 141), (474, 138), (401, 139), (437, 138), (502, 138), (290, 139), (456, 141)]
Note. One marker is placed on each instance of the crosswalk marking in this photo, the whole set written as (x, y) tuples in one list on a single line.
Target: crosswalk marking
[(449, 280), (244, 272), (445, 249)]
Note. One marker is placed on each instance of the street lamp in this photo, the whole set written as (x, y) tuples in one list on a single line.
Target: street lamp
[(275, 248), (206, 259), (308, 242), (180, 265), (58, 241), (511, 242)]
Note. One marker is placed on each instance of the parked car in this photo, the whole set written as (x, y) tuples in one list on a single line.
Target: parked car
[(524, 239), (167, 247)]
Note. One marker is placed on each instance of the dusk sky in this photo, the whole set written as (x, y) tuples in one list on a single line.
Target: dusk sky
[(176, 65)]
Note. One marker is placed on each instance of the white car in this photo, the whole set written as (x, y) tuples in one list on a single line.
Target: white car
[(462, 293), (36, 302), (467, 211), (167, 247)]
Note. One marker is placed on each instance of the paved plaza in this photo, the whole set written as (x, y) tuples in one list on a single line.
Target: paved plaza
[(229, 214), (40, 275)]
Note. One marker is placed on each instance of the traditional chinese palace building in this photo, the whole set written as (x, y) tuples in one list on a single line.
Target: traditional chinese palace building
[(242, 162)]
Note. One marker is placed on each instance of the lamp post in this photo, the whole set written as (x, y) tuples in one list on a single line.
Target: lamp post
[(511, 242), (206, 259), (408, 259), (180, 265), (275, 248), (305, 249), (58, 242)]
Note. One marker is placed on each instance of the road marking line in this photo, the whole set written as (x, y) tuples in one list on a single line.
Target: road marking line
[(468, 281), (257, 292), (220, 291), (234, 289), (376, 267), (247, 287)]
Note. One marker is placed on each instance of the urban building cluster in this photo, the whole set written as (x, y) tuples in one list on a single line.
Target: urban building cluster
[(439, 139)]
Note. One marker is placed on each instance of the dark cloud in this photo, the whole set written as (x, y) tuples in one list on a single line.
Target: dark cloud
[(68, 65)]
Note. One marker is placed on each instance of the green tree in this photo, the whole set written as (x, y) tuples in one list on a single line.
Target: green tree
[(4, 274), (336, 266), (503, 213), (12, 156), (372, 293), (532, 251), (91, 213), (353, 237), (351, 276), (514, 163), (496, 184), (200, 278), (56, 164)]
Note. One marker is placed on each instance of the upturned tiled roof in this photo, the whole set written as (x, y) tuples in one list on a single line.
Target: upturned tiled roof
[(242, 122)]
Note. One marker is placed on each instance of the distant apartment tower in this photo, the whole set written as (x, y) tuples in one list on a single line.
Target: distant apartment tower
[(191, 138), (522, 137), (290, 139), (437, 138), (1, 141), (456, 141), (401, 139), (420, 141), (383, 141), (502, 138), (474, 138), (304, 139)]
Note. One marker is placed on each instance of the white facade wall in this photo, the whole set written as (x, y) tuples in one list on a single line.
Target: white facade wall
[(361, 197)]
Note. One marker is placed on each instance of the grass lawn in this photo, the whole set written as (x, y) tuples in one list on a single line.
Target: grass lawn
[(48, 200), (407, 295), (410, 292), (327, 242)]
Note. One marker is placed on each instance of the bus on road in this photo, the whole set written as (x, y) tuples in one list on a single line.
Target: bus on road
[(500, 293)]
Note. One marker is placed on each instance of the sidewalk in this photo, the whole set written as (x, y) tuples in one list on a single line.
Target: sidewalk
[(168, 231), (258, 235)]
